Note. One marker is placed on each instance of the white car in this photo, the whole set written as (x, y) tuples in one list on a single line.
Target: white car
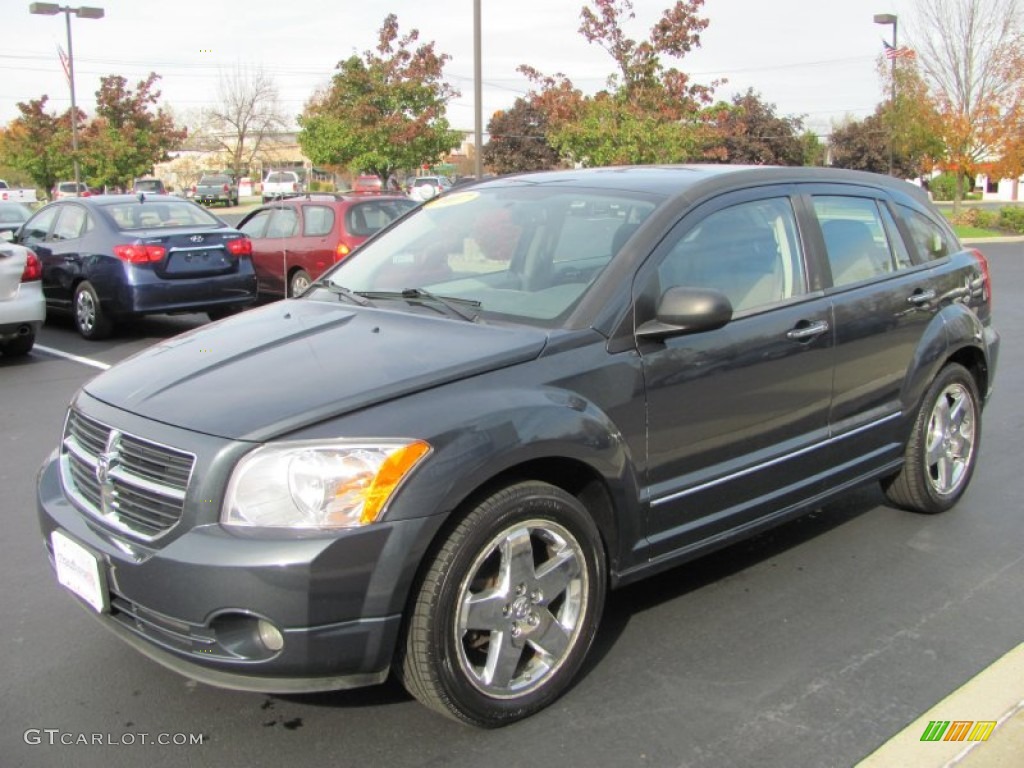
[(423, 188), (22, 306)]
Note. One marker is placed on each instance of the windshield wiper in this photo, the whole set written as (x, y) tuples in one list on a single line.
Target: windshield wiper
[(443, 304), (343, 292)]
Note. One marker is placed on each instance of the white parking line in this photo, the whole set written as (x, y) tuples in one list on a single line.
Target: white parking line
[(73, 358)]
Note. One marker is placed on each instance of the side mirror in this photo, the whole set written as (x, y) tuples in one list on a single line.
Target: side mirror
[(685, 310)]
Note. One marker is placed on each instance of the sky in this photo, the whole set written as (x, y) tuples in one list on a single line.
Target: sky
[(814, 59)]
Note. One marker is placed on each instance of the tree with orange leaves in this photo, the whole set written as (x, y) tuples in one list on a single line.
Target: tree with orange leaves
[(971, 53)]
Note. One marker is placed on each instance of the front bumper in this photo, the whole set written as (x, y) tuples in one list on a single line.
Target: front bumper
[(194, 604)]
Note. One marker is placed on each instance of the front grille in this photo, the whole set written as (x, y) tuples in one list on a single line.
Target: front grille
[(133, 485)]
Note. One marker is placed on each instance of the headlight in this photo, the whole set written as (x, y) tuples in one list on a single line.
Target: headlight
[(337, 484)]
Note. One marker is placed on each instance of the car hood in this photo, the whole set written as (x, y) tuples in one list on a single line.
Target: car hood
[(278, 368)]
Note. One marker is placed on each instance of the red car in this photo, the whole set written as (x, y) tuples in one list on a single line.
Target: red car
[(295, 241)]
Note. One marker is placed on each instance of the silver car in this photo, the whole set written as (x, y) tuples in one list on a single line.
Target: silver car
[(22, 307)]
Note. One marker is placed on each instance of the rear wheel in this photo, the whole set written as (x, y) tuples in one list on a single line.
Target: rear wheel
[(90, 319), (943, 447), (298, 283), (508, 607)]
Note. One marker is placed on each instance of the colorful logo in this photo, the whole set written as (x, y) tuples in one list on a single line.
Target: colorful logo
[(958, 730)]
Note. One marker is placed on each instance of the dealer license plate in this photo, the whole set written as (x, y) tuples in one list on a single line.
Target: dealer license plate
[(79, 570)]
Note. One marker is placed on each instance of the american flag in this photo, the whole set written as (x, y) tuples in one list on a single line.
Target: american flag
[(898, 53), (64, 63)]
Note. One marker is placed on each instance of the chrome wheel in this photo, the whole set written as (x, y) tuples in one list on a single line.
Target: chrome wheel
[(943, 445), (521, 607), (85, 312), (507, 606), (949, 447)]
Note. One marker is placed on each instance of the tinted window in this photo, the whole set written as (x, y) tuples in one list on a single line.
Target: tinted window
[(318, 220), (749, 252), (855, 239), (363, 219), (39, 225), (71, 224), (929, 240), (284, 223)]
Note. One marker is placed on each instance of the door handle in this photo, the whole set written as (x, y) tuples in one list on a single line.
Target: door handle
[(918, 298), (808, 331)]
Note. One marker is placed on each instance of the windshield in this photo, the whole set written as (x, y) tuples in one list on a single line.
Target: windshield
[(525, 253)]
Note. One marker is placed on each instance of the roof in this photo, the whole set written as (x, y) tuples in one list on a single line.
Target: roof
[(671, 180)]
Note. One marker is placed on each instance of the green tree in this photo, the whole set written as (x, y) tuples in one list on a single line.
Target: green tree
[(649, 112), (518, 140), (38, 143), (129, 133), (753, 134), (384, 111)]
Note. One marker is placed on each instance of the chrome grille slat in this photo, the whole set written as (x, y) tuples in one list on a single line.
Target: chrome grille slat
[(144, 483)]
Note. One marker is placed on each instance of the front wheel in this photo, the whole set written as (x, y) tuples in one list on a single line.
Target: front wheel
[(508, 608), (943, 447), (90, 319)]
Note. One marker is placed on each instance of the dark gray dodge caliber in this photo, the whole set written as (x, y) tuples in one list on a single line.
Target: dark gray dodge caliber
[(438, 460)]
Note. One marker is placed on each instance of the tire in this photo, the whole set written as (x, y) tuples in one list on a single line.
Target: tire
[(90, 319), (489, 640), (19, 346), (298, 283), (943, 447)]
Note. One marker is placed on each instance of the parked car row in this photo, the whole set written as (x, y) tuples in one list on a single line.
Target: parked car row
[(107, 259)]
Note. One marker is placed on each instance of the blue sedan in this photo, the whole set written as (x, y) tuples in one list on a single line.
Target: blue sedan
[(109, 258)]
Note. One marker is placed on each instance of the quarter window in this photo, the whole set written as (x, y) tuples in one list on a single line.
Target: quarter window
[(256, 226), (750, 252), (855, 239), (929, 240)]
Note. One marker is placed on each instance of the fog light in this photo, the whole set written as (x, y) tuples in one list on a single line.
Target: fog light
[(270, 636)]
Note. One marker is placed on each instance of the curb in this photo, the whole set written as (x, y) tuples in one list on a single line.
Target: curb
[(993, 695)]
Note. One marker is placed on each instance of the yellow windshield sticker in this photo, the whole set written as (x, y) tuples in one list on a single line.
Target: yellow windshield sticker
[(449, 200)]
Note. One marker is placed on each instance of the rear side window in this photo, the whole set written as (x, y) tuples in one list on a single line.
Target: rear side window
[(855, 239), (284, 223), (929, 240), (73, 223), (750, 252), (363, 219), (318, 220)]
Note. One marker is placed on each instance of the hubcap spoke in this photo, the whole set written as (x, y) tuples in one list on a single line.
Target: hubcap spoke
[(555, 575), (517, 558), (484, 610), (503, 657), (551, 638)]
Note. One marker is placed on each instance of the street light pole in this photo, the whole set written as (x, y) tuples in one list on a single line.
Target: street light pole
[(478, 115), (52, 9), (890, 18)]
